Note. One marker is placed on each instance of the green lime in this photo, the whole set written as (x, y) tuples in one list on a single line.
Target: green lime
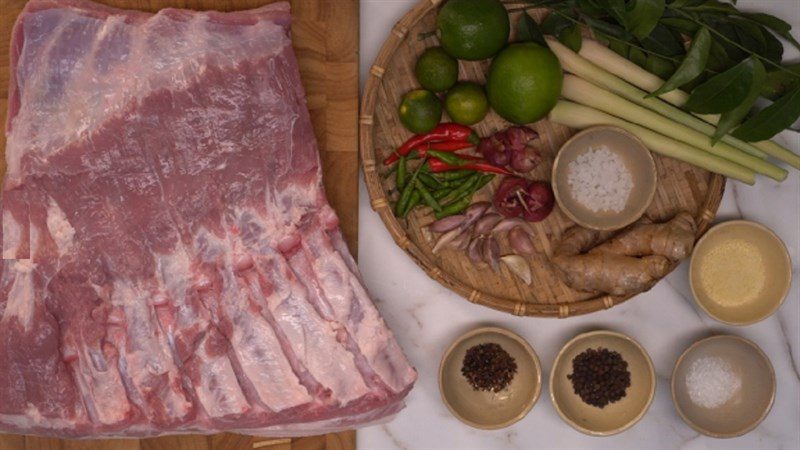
[(466, 103), (436, 70), (524, 82), (420, 111), (473, 29)]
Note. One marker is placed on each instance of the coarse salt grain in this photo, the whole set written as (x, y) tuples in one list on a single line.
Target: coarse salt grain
[(600, 180), (712, 382)]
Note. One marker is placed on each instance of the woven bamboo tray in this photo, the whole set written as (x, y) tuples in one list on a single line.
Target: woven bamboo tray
[(680, 186)]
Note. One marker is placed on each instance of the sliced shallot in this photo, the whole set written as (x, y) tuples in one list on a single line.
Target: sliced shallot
[(446, 239), (462, 240), (519, 240), (475, 250), (485, 224), (475, 211), (507, 224), (448, 223), (491, 252)]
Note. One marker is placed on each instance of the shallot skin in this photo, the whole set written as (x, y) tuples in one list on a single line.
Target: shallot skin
[(475, 250), (519, 240), (475, 211), (448, 223), (486, 223), (491, 253), (525, 159)]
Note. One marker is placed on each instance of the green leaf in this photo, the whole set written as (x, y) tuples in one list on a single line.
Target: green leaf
[(773, 49), (714, 6), (528, 30), (680, 25), (617, 9), (749, 36), (771, 120), (692, 65), (661, 67), (723, 92), (571, 37), (554, 24), (663, 41), (644, 16), (718, 59), (684, 3), (779, 82), (621, 48), (724, 27), (591, 8), (775, 24), (637, 56), (731, 118), (608, 29)]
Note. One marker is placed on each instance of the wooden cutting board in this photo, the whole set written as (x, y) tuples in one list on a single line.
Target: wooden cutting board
[(325, 36)]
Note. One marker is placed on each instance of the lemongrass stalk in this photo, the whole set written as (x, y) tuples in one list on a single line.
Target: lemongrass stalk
[(579, 116), (626, 72), (779, 152), (574, 63), (629, 71), (581, 91)]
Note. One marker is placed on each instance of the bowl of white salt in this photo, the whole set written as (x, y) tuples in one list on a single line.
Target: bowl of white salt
[(723, 386), (604, 178)]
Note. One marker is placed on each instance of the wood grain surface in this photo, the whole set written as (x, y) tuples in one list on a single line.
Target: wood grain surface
[(325, 38)]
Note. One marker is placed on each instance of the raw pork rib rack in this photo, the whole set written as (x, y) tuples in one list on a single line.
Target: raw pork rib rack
[(171, 263)]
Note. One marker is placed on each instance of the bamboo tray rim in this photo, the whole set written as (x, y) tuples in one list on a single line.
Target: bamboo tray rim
[(381, 205)]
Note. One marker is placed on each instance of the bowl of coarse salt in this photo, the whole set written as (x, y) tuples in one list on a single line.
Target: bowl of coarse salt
[(604, 178), (723, 386)]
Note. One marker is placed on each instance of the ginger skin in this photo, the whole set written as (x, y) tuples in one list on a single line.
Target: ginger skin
[(628, 263)]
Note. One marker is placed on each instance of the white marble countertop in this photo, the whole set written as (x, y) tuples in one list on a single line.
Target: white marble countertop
[(426, 318)]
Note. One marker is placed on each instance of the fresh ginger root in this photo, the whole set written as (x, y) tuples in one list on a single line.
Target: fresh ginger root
[(630, 262)]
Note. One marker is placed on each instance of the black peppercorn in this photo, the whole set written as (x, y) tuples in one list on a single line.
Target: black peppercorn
[(600, 376), (488, 367)]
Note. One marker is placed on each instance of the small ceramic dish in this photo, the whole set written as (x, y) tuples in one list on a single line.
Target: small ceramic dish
[(745, 408), (490, 410), (638, 161), (615, 417), (741, 302)]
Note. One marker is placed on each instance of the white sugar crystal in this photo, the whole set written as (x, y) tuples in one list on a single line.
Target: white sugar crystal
[(599, 180), (712, 382)]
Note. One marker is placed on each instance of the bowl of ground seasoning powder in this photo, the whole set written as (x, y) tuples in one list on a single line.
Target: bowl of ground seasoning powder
[(602, 382), (490, 378), (740, 272)]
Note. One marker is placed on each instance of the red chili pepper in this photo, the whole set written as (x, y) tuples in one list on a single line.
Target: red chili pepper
[(479, 165), (422, 149), (442, 132)]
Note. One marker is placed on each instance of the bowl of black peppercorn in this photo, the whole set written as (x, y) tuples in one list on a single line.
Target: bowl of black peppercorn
[(602, 382), (490, 378)]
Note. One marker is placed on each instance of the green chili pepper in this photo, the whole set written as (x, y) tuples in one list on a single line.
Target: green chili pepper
[(427, 196), (448, 158), (454, 208), (402, 171), (405, 197), (429, 181), (454, 175), (465, 186), (481, 182), (415, 200)]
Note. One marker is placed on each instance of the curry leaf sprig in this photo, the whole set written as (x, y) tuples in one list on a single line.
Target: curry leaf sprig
[(734, 57)]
